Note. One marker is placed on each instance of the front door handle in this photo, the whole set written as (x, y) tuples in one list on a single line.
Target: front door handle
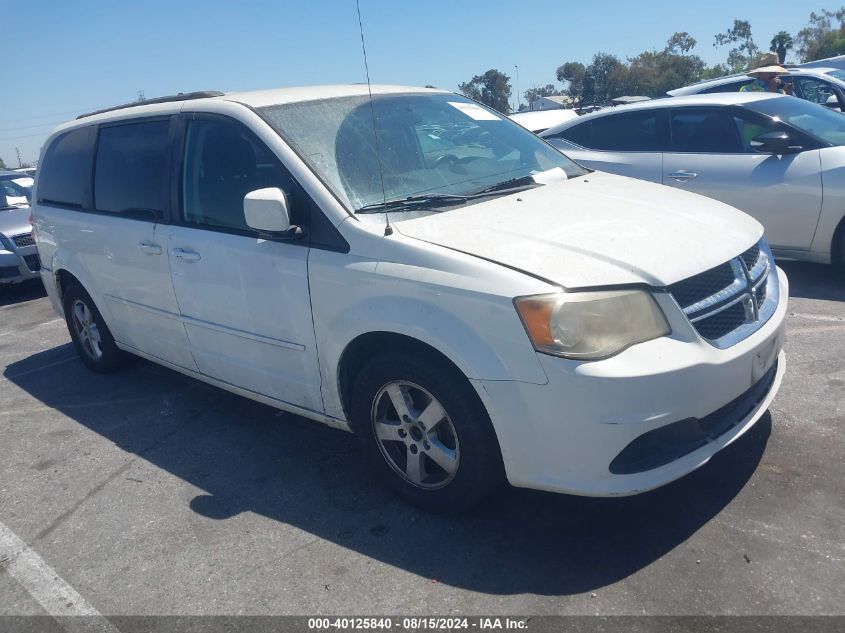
[(683, 175), (185, 255), (148, 248)]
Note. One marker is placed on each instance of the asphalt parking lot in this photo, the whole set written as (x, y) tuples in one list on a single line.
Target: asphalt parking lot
[(150, 493)]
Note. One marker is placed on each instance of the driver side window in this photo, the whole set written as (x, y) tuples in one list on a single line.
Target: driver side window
[(223, 161), (815, 90), (749, 129)]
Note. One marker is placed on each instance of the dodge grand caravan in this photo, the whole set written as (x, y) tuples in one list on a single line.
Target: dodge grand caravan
[(421, 271)]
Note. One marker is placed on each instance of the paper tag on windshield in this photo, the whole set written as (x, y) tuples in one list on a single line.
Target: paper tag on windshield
[(23, 182), (555, 174), (474, 111)]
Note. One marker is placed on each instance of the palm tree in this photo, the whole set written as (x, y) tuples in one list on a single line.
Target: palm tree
[(781, 43)]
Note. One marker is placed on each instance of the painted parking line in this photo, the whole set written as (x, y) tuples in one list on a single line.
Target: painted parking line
[(55, 596)]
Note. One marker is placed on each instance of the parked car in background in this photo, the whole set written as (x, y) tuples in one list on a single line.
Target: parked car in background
[(18, 254), (466, 299), (780, 159), (541, 120), (825, 86), (29, 171), (837, 62)]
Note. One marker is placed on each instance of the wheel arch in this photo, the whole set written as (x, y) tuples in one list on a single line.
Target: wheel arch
[(365, 346), (837, 255)]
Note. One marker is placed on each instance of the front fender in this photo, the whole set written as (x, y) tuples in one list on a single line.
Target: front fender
[(477, 329)]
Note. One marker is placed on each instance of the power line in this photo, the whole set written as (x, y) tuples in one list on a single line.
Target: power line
[(15, 138), (52, 114)]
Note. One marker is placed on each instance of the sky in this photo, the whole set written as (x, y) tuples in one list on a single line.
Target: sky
[(62, 57)]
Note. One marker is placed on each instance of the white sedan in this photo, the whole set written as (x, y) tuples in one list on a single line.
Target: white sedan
[(778, 158)]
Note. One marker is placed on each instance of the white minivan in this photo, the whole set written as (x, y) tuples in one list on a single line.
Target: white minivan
[(415, 268)]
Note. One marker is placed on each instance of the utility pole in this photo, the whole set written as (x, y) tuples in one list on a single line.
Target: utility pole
[(20, 164), (141, 96), (516, 109)]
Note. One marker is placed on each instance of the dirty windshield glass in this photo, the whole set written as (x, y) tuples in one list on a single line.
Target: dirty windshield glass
[(428, 144)]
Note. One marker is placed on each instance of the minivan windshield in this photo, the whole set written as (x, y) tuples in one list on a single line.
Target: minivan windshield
[(811, 118), (433, 147)]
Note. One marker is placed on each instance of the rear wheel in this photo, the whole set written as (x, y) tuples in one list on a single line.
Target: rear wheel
[(425, 433), (90, 334)]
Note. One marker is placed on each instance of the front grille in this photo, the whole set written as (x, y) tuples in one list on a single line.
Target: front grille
[(751, 257), (694, 289), (32, 262), (727, 303), (23, 240), (722, 323)]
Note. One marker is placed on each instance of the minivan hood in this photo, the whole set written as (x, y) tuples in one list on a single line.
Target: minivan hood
[(15, 221), (595, 230)]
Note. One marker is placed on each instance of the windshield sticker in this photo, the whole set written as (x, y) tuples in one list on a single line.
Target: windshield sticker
[(23, 182), (474, 111)]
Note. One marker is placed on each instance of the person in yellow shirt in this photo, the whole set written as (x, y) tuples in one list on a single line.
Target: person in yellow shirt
[(766, 79)]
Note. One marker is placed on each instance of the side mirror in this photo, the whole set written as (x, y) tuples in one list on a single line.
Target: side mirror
[(774, 143), (266, 211), (833, 103)]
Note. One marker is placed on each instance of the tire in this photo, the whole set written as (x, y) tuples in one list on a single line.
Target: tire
[(90, 334), (444, 459)]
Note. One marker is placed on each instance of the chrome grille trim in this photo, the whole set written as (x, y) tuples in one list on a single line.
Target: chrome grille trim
[(756, 288)]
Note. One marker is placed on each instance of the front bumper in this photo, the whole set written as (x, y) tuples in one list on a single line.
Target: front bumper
[(563, 436), (18, 264)]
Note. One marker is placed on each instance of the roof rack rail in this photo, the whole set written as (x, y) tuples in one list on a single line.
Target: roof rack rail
[(182, 96)]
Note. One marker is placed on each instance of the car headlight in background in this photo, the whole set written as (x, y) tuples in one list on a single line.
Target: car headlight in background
[(591, 325)]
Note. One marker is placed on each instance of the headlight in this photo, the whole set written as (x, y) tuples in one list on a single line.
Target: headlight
[(591, 325)]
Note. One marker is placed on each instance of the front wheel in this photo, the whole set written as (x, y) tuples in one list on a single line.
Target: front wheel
[(425, 433)]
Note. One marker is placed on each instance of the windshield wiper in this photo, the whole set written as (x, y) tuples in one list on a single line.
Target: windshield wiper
[(522, 182), (414, 202)]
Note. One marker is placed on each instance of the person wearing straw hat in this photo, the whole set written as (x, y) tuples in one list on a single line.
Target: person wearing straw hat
[(766, 79)]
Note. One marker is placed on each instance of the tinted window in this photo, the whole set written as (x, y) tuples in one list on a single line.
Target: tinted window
[(708, 131), (578, 134), (631, 132), (66, 169), (131, 175), (733, 86), (224, 162)]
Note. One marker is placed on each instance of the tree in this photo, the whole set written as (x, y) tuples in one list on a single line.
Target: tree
[(493, 89), (781, 43), (819, 39), (2, 164), (573, 73), (739, 57), (680, 43), (533, 94)]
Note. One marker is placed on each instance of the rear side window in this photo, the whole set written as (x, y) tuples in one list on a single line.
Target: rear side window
[(578, 134), (644, 131), (630, 132), (734, 86), (65, 177), (704, 130), (132, 172)]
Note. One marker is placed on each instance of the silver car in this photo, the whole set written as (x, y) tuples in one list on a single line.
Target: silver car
[(18, 256), (825, 86), (778, 158)]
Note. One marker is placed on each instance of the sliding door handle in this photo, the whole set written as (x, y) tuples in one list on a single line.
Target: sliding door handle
[(184, 255)]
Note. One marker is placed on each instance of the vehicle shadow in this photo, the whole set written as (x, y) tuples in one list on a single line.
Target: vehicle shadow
[(18, 293), (249, 457), (814, 281)]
